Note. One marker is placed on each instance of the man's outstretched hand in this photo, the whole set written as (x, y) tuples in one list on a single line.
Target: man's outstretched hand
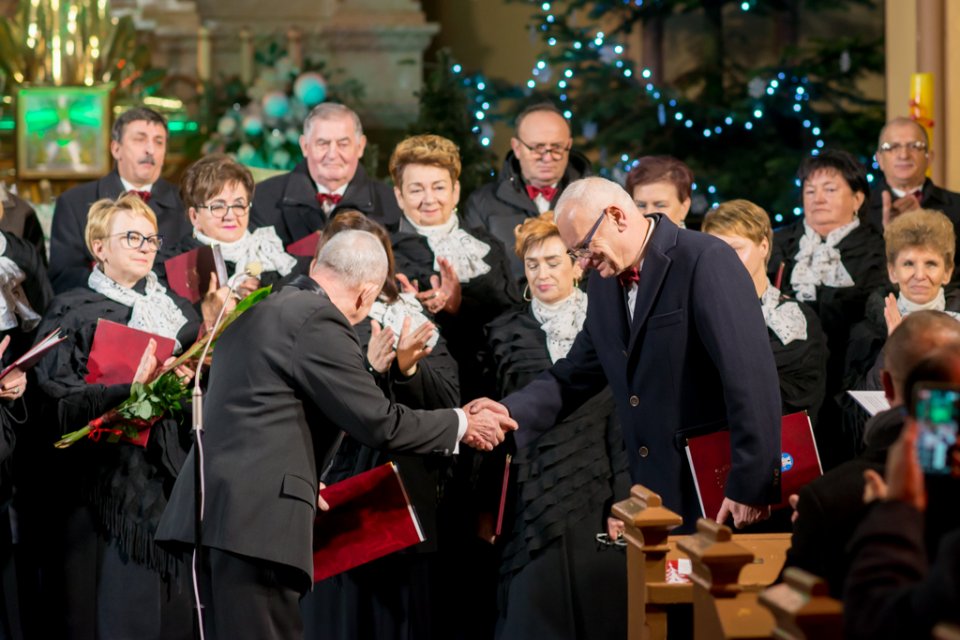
[(487, 424)]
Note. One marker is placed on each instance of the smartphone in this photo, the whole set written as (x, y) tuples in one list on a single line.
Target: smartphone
[(937, 408)]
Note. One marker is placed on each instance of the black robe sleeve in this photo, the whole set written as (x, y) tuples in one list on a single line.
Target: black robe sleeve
[(800, 366)]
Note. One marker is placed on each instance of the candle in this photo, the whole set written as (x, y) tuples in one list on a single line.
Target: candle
[(203, 54)]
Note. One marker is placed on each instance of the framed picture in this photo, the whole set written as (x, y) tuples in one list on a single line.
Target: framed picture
[(63, 132)]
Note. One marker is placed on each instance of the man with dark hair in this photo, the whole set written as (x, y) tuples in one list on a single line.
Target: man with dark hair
[(138, 144), (329, 179), (903, 153), (539, 165), (829, 508)]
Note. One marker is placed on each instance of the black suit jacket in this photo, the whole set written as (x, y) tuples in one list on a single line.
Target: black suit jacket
[(288, 375), (695, 359), (69, 259), (289, 204)]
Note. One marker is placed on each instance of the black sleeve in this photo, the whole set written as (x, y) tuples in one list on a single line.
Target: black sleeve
[(800, 367), (69, 259), (891, 592), (36, 286), (60, 373)]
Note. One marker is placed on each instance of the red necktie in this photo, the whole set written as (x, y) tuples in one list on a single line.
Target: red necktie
[(332, 198), (628, 277), (918, 194), (143, 195), (546, 192)]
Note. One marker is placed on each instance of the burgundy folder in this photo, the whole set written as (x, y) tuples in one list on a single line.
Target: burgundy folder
[(305, 246), (709, 458), (37, 351), (115, 356), (188, 274), (370, 516)]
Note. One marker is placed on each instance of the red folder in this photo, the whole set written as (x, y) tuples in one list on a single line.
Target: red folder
[(305, 246), (37, 351), (188, 274), (115, 356), (370, 516), (709, 458)]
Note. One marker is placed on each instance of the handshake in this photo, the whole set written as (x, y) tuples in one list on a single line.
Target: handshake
[(487, 424)]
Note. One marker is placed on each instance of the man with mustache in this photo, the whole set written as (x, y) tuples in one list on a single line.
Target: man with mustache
[(138, 144), (327, 180)]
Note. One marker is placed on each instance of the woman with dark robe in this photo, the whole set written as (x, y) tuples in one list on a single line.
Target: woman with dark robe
[(117, 582), (798, 343), (920, 247), (392, 597), (460, 275), (25, 292), (556, 581), (217, 192), (831, 261)]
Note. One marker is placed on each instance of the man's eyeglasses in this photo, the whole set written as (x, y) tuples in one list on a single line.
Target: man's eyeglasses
[(221, 209), (582, 250), (556, 151), (136, 240), (893, 147)]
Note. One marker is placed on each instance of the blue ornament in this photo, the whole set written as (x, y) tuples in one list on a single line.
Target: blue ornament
[(252, 126), (276, 105), (311, 88)]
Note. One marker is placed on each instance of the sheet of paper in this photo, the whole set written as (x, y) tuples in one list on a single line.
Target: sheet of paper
[(873, 401)]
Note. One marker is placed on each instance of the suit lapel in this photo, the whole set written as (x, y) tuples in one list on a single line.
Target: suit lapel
[(300, 209), (655, 266)]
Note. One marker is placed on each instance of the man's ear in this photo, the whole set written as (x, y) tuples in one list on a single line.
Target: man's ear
[(618, 215)]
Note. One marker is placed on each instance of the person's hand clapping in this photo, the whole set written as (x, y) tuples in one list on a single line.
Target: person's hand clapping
[(412, 346), (214, 300), (380, 353), (14, 384), (893, 208), (444, 294), (148, 363), (891, 313)]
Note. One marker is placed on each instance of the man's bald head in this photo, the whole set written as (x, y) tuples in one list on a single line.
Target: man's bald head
[(588, 196), (918, 335)]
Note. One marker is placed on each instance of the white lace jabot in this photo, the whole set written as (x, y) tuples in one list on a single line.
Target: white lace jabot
[(561, 321), (392, 314), (153, 311), (464, 252), (785, 318), (939, 303), (14, 307), (262, 246), (818, 262)]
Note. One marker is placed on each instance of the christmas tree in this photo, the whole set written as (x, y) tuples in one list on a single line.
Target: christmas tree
[(742, 128)]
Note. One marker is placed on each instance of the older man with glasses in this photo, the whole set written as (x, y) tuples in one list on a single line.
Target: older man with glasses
[(675, 330), (539, 165), (903, 153)]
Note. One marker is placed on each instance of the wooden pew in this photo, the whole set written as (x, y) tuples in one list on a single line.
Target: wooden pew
[(803, 608), (650, 548)]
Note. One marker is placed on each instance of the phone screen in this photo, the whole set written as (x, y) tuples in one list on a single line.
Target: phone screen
[(937, 411)]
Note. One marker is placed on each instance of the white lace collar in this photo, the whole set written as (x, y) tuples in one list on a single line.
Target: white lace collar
[(818, 261), (153, 311), (449, 241), (14, 307), (784, 317), (939, 303), (263, 246), (561, 321), (392, 314)]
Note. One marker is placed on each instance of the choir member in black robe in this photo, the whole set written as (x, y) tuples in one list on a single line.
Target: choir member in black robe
[(460, 275), (831, 261), (25, 292), (217, 192), (798, 343), (392, 597), (920, 247), (117, 583), (555, 580)]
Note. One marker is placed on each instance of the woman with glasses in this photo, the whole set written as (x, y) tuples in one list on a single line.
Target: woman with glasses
[(117, 582), (831, 261), (555, 581), (217, 192), (460, 275)]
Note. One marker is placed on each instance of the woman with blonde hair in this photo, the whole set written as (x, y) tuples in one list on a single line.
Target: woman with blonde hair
[(798, 343)]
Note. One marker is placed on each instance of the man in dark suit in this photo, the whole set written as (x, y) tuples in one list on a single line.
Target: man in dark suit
[(287, 377), (829, 508), (903, 153), (19, 218), (674, 327), (540, 164), (138, 144), (328, 179), (893, 590)]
